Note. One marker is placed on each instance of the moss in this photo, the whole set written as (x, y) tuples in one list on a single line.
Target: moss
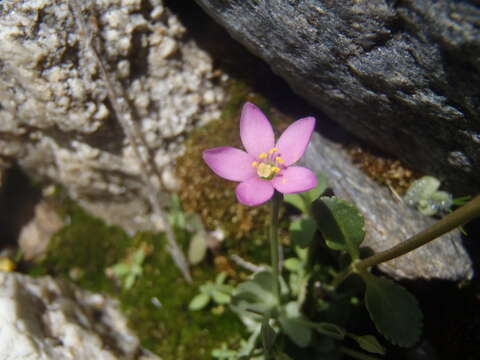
[(157, 304)]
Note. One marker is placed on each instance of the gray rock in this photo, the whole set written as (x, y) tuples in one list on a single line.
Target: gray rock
[(403, 75), (43, 318), (56, 120), (389, 221)]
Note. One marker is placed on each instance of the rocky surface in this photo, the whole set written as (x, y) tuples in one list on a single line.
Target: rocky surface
[(55, 117), (388, 220), (403, 75), (43, 318), (35, 235)]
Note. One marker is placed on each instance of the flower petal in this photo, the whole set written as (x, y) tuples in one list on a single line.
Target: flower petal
[(294, 179), (294, 140), (230, 163), (255, 130), (254, 191)]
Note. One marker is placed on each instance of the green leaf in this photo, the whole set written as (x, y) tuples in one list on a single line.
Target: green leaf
[(369, 343), (298, 332), (220, 297), (120, 269), (221, 277), (197, 249), (294, 325), (302, 231), (340, 223), (292, 264), (394, 310), (303, 200), (257, 294), (311, 195), (199, 302), (268, 336), (297, 201), (332, 330)]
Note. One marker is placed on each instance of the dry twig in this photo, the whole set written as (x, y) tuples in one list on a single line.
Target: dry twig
[(123, 112)]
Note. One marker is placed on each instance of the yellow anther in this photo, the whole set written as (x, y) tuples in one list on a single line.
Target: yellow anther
[(262, 155), (255, 163), (276, 169), (272, 150), (279, 160)]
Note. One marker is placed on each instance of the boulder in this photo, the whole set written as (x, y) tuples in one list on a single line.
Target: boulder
[(402, 75), (56, 120), (43, 318)]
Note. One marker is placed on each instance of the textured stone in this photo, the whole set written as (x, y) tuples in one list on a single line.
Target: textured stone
[(43, 318), (35, 235), (389, 221), (403, 75), (56, 120)]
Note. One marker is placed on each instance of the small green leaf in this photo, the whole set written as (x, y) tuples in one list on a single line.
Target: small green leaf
[(120, 269), (257, 294), (199, 302), (311, 195), (303, 200), (268, 336), (221, 277), (394, 310), (294, 325), (297, 201), (369, 343), (292, 264), (332, 330), (302, 231), (129, 281), (298, 332), (341, 224), (197, 249), (220, 297)]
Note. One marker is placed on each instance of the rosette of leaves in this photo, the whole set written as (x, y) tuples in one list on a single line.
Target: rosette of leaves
[(128, 270), (217, 291), (424, 195)]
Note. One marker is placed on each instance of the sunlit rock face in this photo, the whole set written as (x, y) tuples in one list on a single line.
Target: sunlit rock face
[(403, 75), (43, 318), (56, 120)]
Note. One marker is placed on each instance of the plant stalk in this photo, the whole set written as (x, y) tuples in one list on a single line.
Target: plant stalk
[(457, 218), (274, 245)]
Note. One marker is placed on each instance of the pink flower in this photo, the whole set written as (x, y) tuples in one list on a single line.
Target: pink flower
[(265, 166)]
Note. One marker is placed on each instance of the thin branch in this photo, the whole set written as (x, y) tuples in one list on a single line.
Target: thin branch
[(123, 112), (246, 264)]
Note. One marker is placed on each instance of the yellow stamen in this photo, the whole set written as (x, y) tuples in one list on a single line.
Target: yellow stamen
[(262, 155), (275, 169), (279, 160), (272, 150), (255, 163)]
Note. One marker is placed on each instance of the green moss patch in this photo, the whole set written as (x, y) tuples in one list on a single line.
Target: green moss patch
[(157, 304)]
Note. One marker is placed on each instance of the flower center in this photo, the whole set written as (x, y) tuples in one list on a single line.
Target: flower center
[(268, 164)]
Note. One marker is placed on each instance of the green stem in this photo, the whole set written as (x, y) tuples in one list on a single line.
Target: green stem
[(274, 245), (356, 354), (457, 218)]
